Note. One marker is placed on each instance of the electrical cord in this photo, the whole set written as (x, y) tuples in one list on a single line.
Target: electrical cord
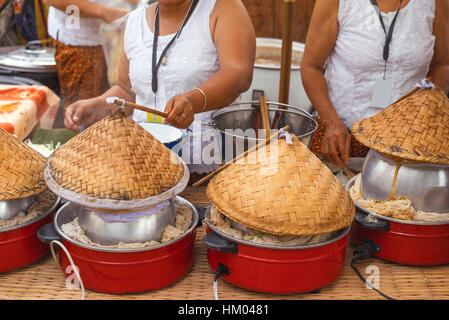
[(363, 251), (221, 269), (74, 267)]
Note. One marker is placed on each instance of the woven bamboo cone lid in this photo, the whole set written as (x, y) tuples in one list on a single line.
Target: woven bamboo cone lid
[(416, 128), (115, 159), (21, 169), (301, 197)]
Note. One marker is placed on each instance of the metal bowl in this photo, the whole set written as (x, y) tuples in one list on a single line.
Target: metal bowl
[(426, 185), (236, 125), (375, 218), (147, 228), (10, 208), (69, 211)]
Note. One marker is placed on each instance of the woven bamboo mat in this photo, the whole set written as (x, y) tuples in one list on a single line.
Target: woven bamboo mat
[(45, 280)]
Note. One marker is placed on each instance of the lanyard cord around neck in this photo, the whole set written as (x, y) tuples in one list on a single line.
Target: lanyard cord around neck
[(155, 66), (389, 34)]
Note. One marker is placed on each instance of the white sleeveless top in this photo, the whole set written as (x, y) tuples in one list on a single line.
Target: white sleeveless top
[(192, 60), (356, 61), (60, 28)]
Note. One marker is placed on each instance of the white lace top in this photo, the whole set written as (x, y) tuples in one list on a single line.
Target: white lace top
[(356, 61), (192, 60), (61, 27)]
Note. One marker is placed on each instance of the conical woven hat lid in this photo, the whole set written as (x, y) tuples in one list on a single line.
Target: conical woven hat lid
[(298, 195), (414, 128), (115, 159), (21, 169)]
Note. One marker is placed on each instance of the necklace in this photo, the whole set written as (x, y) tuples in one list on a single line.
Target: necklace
[(163, 58)]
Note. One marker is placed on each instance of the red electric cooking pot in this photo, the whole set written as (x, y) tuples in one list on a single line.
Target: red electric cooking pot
[(417, 243), (123, 270), (273, 268), (20, 246)]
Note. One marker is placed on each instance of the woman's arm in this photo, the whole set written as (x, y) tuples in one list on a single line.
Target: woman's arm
[(439, 68), (320, 40), (235, 40), (86, 112), (89, 9)]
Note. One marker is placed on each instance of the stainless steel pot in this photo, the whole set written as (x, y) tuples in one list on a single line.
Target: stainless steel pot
[(34, 57), (69, 211), (34, 61), (378, 221), (267, 70), (426, 185), (236, 125), (10, 208), (147, 228)]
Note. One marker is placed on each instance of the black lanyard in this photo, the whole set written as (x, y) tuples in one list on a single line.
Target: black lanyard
[(388, 34), (155, 66)]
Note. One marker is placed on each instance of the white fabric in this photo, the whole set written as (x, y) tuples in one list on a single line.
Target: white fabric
[(86, 35), (356, 60), (192, 60)]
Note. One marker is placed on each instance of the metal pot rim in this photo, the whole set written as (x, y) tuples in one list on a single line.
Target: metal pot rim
[(42, 216), (238, 107), (407, 163), (177, 199), (343, 233), (417, 223), (41, 70)]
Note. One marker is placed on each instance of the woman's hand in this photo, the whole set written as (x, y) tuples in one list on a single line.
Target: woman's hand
[(180, 111), (336, 143), (83, 112)]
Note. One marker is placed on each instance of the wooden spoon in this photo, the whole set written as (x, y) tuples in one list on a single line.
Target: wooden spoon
[(264, 113), (123, 103)]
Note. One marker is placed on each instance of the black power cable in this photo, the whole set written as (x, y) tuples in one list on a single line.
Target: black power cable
[(363, 251), (221, 269)]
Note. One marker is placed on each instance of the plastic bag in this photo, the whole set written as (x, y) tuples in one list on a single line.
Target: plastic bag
[(112, 38), (112, 41)]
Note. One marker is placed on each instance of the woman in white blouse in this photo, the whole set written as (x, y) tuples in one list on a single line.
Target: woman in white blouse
[(372, 53), (184, 57), (74, 26)]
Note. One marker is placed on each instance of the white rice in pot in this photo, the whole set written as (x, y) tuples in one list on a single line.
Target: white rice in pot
[(223, 224)]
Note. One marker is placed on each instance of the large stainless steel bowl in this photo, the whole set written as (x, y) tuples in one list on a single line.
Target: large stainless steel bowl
[(69, 211), (10, 208), (147, 228), (426, 185), (236, 125)]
